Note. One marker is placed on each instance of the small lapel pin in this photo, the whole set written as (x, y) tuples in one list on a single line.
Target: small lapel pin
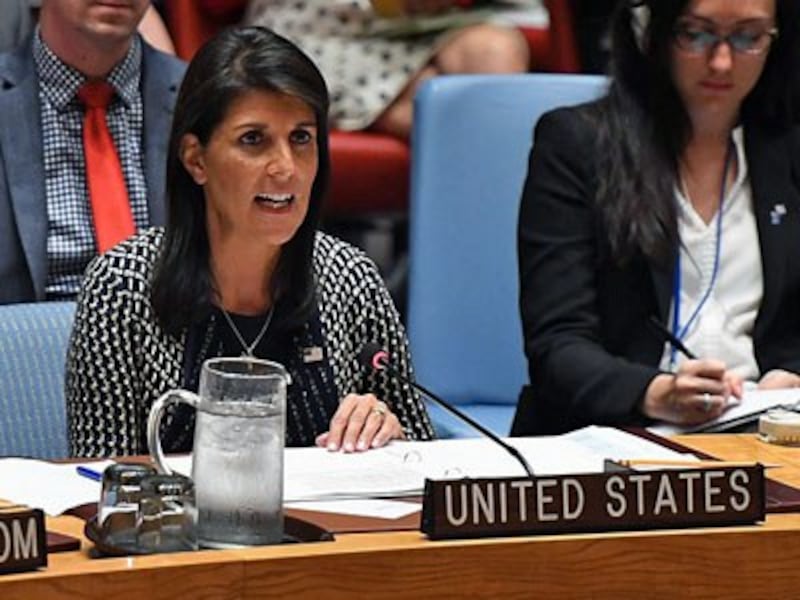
[(776, 214), (312, 354)]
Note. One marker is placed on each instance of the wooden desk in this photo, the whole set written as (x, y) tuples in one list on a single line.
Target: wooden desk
[(741, 562)]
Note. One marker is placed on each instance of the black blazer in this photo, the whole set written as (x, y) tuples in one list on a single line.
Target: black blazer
[(590, 353)]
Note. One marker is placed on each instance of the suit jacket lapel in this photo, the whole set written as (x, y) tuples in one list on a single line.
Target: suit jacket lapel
[(21, 140), (161, 80), (662, 276), (775, 204)]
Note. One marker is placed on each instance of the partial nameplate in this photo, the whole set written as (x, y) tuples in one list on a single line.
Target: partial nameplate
[(23, 541), (594, 502)]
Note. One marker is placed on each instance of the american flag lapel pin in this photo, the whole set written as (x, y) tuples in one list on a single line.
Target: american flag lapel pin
[(312, 354)]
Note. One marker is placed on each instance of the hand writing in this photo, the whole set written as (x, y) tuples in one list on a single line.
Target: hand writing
[(697, 393)]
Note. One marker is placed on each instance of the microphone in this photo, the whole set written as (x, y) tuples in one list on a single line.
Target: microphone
[(375, 357)]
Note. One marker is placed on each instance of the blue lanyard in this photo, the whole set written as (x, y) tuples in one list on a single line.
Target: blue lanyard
[(678, 331)]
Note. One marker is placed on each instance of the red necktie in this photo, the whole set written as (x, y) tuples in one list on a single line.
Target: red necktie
[(108, 196)]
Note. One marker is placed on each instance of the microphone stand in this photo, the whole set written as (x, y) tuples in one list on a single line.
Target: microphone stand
[(469, 420)]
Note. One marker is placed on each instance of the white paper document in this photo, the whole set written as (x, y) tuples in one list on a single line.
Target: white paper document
[(753, 403), (399, 469), (381, 509), (612, 443), (52, 487)]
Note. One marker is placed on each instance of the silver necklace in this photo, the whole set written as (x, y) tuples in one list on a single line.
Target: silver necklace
[(248, 349)]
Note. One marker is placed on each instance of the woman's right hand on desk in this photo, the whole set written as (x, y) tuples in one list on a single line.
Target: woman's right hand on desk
[(697, 393)]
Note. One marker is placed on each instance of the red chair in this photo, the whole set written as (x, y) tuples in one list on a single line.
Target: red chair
[(555, 49), (369, 171)]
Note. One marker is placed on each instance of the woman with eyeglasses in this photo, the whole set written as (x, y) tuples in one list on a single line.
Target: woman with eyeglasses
[(659, 232)]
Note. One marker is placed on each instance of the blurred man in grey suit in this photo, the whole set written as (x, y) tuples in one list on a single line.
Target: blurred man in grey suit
[(46, 224)]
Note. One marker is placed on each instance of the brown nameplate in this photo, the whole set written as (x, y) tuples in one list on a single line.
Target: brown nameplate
[(598, 502), (23, 545)]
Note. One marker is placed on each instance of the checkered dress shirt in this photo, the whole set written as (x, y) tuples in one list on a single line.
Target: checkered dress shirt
[(70, 231)]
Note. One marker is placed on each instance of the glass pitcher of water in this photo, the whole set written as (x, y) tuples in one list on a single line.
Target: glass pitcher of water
[(237, 463)]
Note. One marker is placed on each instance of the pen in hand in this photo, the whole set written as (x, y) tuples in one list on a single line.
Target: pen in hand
[(668, 336), (89, 473)]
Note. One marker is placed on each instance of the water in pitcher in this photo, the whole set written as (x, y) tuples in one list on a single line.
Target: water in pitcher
[(240, 484)]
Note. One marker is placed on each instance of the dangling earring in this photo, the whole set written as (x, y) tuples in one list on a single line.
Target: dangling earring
[(640, 23)]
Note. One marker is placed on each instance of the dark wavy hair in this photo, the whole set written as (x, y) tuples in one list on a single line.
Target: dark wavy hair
[(233, 63), (643, 126)]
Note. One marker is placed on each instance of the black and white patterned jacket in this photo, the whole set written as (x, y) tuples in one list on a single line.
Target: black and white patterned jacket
[(120, 360)]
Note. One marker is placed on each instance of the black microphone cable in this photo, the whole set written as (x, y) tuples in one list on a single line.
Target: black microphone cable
[(375, 357)]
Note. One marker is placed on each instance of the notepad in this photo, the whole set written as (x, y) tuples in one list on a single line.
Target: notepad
[(753, 403)]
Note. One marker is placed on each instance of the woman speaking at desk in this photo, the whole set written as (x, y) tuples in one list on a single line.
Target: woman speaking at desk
[(239, 269), (672, 203)]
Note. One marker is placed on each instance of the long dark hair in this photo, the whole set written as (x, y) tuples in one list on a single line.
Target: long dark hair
[(234, 62), (643, 127)]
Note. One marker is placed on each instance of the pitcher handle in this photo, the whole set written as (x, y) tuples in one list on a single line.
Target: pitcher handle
[(154, 423)]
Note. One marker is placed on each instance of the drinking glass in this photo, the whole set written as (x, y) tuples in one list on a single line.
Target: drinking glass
[(167, 517)]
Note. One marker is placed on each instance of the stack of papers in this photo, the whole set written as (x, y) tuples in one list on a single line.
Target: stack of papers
[(399, 469)]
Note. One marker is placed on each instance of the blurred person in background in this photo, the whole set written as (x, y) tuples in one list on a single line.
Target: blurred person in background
[(372, 67), (85, 107), (20, 18)]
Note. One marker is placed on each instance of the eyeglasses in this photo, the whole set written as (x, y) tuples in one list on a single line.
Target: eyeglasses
[(694, 39)]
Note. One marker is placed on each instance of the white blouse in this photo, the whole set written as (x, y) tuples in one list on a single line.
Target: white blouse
[(723, 329)]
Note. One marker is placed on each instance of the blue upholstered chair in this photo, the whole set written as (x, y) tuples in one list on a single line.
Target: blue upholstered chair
[(33, 347), (472, 136)]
